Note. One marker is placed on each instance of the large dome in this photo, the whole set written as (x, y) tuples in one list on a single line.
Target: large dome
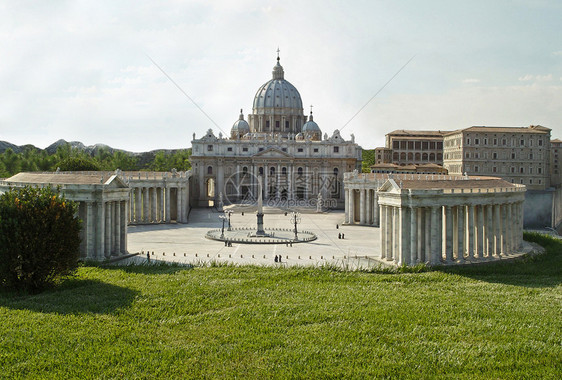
[(278, 93)]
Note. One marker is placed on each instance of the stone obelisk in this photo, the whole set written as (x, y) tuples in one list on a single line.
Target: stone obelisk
[(260, 231)]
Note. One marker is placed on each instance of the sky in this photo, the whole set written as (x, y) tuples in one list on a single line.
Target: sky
[(98, 71)]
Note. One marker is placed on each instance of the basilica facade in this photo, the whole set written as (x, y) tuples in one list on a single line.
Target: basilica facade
[(297, 163)]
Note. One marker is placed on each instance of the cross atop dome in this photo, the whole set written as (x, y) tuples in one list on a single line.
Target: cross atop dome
[(278, 53)]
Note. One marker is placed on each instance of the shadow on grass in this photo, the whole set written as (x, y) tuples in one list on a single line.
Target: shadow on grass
[(539, 271), (139, 265), (73, 296)]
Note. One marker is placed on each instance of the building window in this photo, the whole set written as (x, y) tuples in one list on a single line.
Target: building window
[(522, 142), (512, 169), (495, 156), (244, 170), (261, 171), (299, 171), (209, 170), (284, 149), (504, 142), (336, 149), (286, 125), (540, 142), (467, 155), (468, 141), (530, 170), (530, 156), (209, 148), (495, 141), (244, 149), (260, 149), (485, 141), (521, 170), (229, 149), (267, 125), (540, 181), (439, 145), (276, 124), (476, 169), (521, 181), (513, 156), (316, 151), (476, 141), (395, 145), (540, 170), (299, 150)]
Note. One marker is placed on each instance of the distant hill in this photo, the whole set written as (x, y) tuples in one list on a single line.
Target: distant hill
[(90, 149)]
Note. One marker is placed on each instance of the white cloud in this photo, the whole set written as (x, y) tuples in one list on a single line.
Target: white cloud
[(471, 80), (557, 53), (526, 78)]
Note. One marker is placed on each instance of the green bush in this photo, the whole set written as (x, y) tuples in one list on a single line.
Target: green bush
[(77, 164), (39, 238)]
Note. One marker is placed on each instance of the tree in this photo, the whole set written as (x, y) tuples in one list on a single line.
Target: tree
[(77, 164), (368, 160), (39, 238)]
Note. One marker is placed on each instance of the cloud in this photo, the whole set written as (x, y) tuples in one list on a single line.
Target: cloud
[(538, 78), (557, 53), (471, 80)]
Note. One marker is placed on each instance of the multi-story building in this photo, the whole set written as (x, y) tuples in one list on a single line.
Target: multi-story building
[(555, 169), (279, 144), (517, 154), (413, 147)]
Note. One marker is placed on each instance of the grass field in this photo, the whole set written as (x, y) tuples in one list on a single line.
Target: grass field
[(495, 321)]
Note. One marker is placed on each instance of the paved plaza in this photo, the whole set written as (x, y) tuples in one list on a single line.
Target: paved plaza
[(186, 243)]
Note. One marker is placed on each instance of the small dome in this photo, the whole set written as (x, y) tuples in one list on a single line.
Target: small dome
[(311, 130), (299, 136), (240, 127)]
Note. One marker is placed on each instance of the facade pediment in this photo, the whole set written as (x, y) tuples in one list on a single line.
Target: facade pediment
[(272, 153), (114, 182), (390, 186)]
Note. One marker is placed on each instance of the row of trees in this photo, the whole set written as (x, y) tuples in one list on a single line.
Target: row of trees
[(68, 158)]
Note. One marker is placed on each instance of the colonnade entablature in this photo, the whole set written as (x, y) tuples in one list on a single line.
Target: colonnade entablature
[(443, 222)]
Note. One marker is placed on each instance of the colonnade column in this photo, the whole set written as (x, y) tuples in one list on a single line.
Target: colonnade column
[(351, 206), (100, 231), (167, 202), (508, 230), (362, 206), (160, 197), (145, 205), (448, 234), (123, 233), (427, 217), (435, 249), (461, 230), (108, 228), (376, 209), (138, 199), (179, 212), (369, 212), (481, 232), (489, 232), (470, 243), (117, 229)]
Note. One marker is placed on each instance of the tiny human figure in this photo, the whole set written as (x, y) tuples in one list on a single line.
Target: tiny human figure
[(276, 259), (339, 235), (230, 244), (337, 226), (225, 243), (279, 258), (148, 256), (343, 236), (242, 213)]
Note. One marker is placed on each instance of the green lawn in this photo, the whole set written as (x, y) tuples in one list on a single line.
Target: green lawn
[(495, 321)]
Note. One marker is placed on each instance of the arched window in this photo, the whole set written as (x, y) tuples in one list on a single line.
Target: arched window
[(245, 170), (272, 171), (418, 156), (395, 156), (209, 170), (410, 157), (261, 170), (299, 171), (336, 171), (402, 156), (432, 157), (283, 170), (439, 157), (424, 157)]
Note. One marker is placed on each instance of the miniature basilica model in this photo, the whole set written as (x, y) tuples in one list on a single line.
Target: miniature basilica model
[(298, 165)]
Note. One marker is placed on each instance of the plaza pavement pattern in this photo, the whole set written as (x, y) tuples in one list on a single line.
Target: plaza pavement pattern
[(186, 243)]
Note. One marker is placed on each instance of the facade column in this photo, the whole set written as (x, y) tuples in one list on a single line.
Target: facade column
[(420, 234), (368, 212), (376, 209), (108, 230), (413, 235), (117, 241), (470, 230), (508, 230), (383, 234), (265, 182), (351, 206), (346, 206), (278, 174), (90, 253), (448, 234), (362, 206), (100, 230), (395, 234), (427, 217)]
